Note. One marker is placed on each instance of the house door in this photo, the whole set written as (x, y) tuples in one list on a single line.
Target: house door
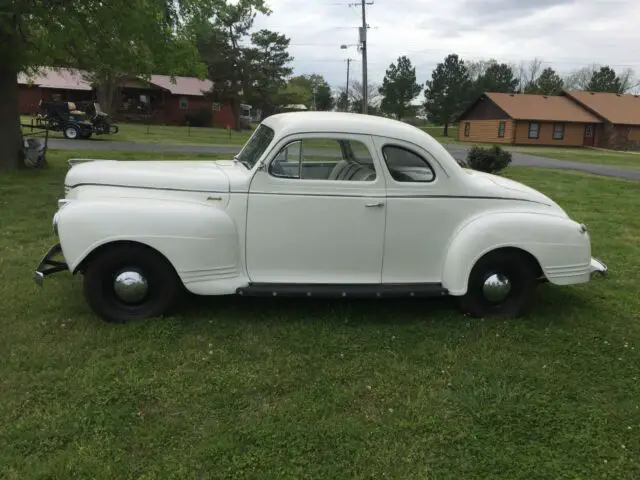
[(589, 135)]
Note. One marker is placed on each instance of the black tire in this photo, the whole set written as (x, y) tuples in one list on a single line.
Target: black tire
[(521, 272), (68, 130), (164, 286)]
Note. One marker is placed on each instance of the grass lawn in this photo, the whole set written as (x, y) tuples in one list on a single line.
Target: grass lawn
[(131, 132), (265, 388)]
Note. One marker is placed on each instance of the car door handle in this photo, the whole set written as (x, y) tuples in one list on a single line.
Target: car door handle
[(377, 204)]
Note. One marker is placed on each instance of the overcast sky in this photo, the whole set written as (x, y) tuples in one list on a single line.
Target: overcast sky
[(565, 34)]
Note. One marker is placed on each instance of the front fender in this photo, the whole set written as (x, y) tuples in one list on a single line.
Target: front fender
[(561, 249), (199, 240)]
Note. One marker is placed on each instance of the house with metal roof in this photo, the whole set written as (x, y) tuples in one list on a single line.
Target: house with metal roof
[(160, 99)]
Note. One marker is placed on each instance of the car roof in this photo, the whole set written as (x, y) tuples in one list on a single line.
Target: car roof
[(343, 122)]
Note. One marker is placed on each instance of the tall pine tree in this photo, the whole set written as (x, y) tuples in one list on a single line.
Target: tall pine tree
[(399, 87), (448, 92)]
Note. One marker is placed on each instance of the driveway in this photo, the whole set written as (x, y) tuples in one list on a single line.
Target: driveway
[(457, 151)]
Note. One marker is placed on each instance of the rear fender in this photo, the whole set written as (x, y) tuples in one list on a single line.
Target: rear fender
[(200, 241), (556, 243)]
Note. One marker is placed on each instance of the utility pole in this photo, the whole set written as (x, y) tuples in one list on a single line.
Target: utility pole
[(346, 107), (363, 41), (363, 46)]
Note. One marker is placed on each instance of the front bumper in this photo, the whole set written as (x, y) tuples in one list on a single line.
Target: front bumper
[(598, 266), (48, 265)]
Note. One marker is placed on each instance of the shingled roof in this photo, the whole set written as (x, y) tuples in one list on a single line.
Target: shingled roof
[(544, 108), (623, 109)]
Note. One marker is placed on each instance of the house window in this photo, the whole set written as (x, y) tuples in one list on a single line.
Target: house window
[(558, 131), (501, 128), (216, 107), (534, 130), (467, 127), (184, 103)]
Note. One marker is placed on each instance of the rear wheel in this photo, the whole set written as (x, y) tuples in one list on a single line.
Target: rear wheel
[(71, 132), (501, 283), (129, 282)]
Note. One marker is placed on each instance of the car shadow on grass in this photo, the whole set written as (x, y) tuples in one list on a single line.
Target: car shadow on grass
[(550, 302)]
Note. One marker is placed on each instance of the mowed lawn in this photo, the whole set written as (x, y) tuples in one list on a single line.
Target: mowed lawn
[(273, 389), (167, 134)]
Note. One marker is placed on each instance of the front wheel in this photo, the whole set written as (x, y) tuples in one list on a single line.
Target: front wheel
[(501, 284), (125, 283)]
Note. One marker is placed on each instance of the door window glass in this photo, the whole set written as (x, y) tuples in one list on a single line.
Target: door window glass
[(324, 159)]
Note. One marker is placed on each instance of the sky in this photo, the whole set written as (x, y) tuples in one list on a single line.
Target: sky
[(564, 34)]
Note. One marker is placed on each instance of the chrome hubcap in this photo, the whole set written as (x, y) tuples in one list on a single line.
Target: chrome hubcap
[(71, 132), (130, 286), (496, 287)]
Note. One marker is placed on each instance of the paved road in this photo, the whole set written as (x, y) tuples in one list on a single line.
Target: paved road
[(459, 152)]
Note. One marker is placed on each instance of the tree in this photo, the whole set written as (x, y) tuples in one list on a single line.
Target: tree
[(605, 80), (355, 98), (268, 62), (300, 90), (231, 65), (477, 68), (497, 77), (527, 74), (581, 78), (548, 83), (399, 87), (448, 91), (118, 37)]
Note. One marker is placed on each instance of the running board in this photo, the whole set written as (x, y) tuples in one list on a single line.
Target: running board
[(336, 291)]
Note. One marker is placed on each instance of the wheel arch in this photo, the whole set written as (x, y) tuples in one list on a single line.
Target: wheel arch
[(487, 234), (99, 249)]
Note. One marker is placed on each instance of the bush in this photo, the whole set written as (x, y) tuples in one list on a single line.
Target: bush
[(489, 160), (203, 117)]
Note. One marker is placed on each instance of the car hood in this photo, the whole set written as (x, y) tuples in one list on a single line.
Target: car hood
[(205, 176), (495, 185)]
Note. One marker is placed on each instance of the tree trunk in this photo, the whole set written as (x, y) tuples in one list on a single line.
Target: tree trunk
[(106, 93), (446, 129), (11, 153)]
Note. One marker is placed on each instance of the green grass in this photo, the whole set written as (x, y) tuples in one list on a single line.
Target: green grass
[(131, 132), (265, 388)]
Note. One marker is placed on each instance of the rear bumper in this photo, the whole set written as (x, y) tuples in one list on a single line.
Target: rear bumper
[(598, 266), (48, 265)]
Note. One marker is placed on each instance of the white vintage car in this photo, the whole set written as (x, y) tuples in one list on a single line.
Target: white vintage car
[(318, 205)]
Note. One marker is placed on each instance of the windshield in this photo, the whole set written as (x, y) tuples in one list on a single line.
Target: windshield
[(256, 146)]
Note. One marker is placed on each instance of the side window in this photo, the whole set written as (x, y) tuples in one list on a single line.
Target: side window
[(324, 159), (406, 165), (501, 128)]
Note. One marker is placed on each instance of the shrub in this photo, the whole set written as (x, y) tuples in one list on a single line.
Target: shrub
[(489, 160), (203, 117)]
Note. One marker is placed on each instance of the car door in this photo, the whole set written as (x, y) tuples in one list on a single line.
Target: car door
[(316, 213), (422, 213)]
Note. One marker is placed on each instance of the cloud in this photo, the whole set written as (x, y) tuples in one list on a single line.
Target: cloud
[(565, 34)]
